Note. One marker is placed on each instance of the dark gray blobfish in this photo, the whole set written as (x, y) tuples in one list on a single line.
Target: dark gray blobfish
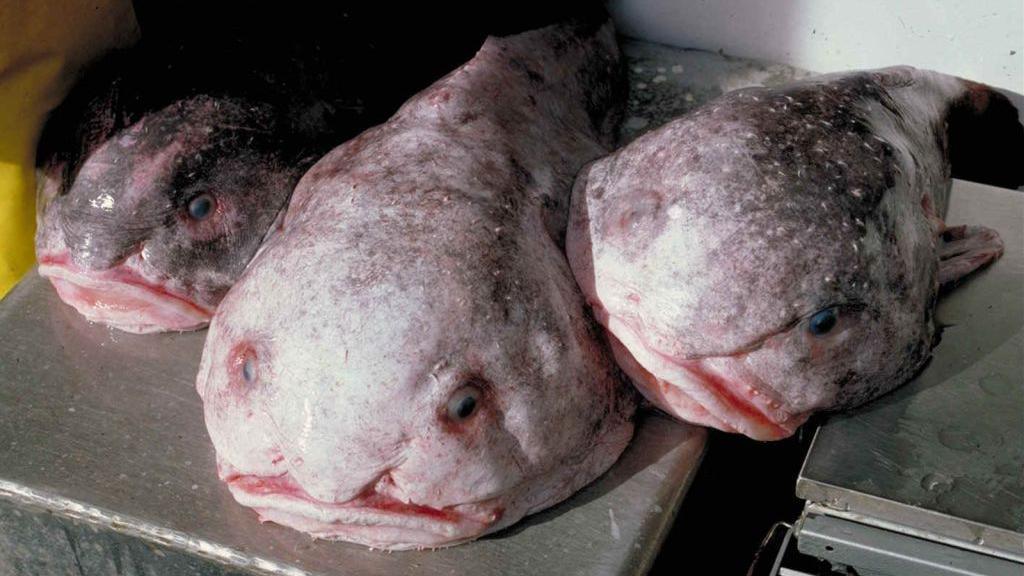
[(157, 185), (780, 251), (409, 363)]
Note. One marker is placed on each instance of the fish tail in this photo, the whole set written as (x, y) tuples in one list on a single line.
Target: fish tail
[(985, 137)]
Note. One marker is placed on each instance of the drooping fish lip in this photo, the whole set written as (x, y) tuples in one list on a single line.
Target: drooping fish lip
[(121, 298), (371, 519), (715, 391)]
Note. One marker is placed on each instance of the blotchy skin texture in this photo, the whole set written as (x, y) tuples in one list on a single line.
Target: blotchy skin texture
[(118, 242), (144, 135), (419, 263), (707, 246)]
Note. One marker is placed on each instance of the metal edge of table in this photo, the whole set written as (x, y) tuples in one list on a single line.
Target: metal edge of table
[(843, 502), (136, 528), (875, 550)]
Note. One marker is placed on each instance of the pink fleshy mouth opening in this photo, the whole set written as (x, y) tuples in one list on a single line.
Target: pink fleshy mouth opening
[(120, 298), (743, 405), (372, 519)]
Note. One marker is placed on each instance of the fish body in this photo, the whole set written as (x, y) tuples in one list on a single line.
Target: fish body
[(779, 251), (408, 363)]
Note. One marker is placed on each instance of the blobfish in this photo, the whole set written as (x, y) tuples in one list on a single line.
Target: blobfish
[(157, 185), (408, 363), (780, 251)]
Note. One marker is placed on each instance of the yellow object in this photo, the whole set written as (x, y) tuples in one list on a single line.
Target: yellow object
[(43, 45)]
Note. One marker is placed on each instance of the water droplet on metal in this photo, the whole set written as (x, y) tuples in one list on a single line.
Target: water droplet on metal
[(964, 439), (994, 384), (937, 482), (956, 438)]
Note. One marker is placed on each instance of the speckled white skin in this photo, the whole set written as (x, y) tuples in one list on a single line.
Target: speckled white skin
[(705, 246), (421, 258)]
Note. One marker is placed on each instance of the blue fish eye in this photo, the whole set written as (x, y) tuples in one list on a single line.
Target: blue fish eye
[(249, 369), (822, 322), (463, 403), (200, 207)]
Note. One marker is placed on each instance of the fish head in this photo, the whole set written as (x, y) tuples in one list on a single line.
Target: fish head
[(411, 397), (748, 299), (161, 217)]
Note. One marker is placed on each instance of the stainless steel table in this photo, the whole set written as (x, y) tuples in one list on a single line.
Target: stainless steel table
[(939, 464)]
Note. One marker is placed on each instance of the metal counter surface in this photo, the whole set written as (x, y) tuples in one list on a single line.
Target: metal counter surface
[(942, 458)]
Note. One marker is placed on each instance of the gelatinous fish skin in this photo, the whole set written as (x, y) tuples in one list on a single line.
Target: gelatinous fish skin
[(418, 265), (707, 247)]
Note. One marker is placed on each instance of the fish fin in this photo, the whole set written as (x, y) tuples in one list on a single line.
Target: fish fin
[(986, 138), (964, 249)]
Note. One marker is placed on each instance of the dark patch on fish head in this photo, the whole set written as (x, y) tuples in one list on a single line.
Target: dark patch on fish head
[(868, 330), (191, 190)]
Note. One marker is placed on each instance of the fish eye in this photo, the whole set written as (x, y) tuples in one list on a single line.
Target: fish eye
[(200, 207), (249, 368), (463, 403), (823, 321)]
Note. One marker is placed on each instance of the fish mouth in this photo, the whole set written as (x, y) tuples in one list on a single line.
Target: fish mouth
[(121, 298), (715, 391), (371, 519)]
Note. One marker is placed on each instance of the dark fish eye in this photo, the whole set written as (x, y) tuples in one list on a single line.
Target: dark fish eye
[(822, 322), (249, 367), (200, 207), (463, 403)]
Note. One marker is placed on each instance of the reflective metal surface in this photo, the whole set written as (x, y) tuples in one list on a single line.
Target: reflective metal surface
[(876, 552), (107, 427), (942, 458)]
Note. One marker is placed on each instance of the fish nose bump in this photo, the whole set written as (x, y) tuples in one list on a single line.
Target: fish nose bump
[(99, 231), (93, 247)]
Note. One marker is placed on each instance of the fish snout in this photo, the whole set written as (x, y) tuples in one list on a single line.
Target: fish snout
[(97, 243), (756, 407), (722, 392)]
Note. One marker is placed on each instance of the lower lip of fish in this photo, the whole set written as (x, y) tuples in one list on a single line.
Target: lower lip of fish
[(738, 396), (737, 405), (116, 298), (374, 519)]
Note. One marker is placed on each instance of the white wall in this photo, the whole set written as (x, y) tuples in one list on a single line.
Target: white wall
[(982, 39)]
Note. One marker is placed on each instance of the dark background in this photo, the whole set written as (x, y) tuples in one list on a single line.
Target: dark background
[(742, 488)]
